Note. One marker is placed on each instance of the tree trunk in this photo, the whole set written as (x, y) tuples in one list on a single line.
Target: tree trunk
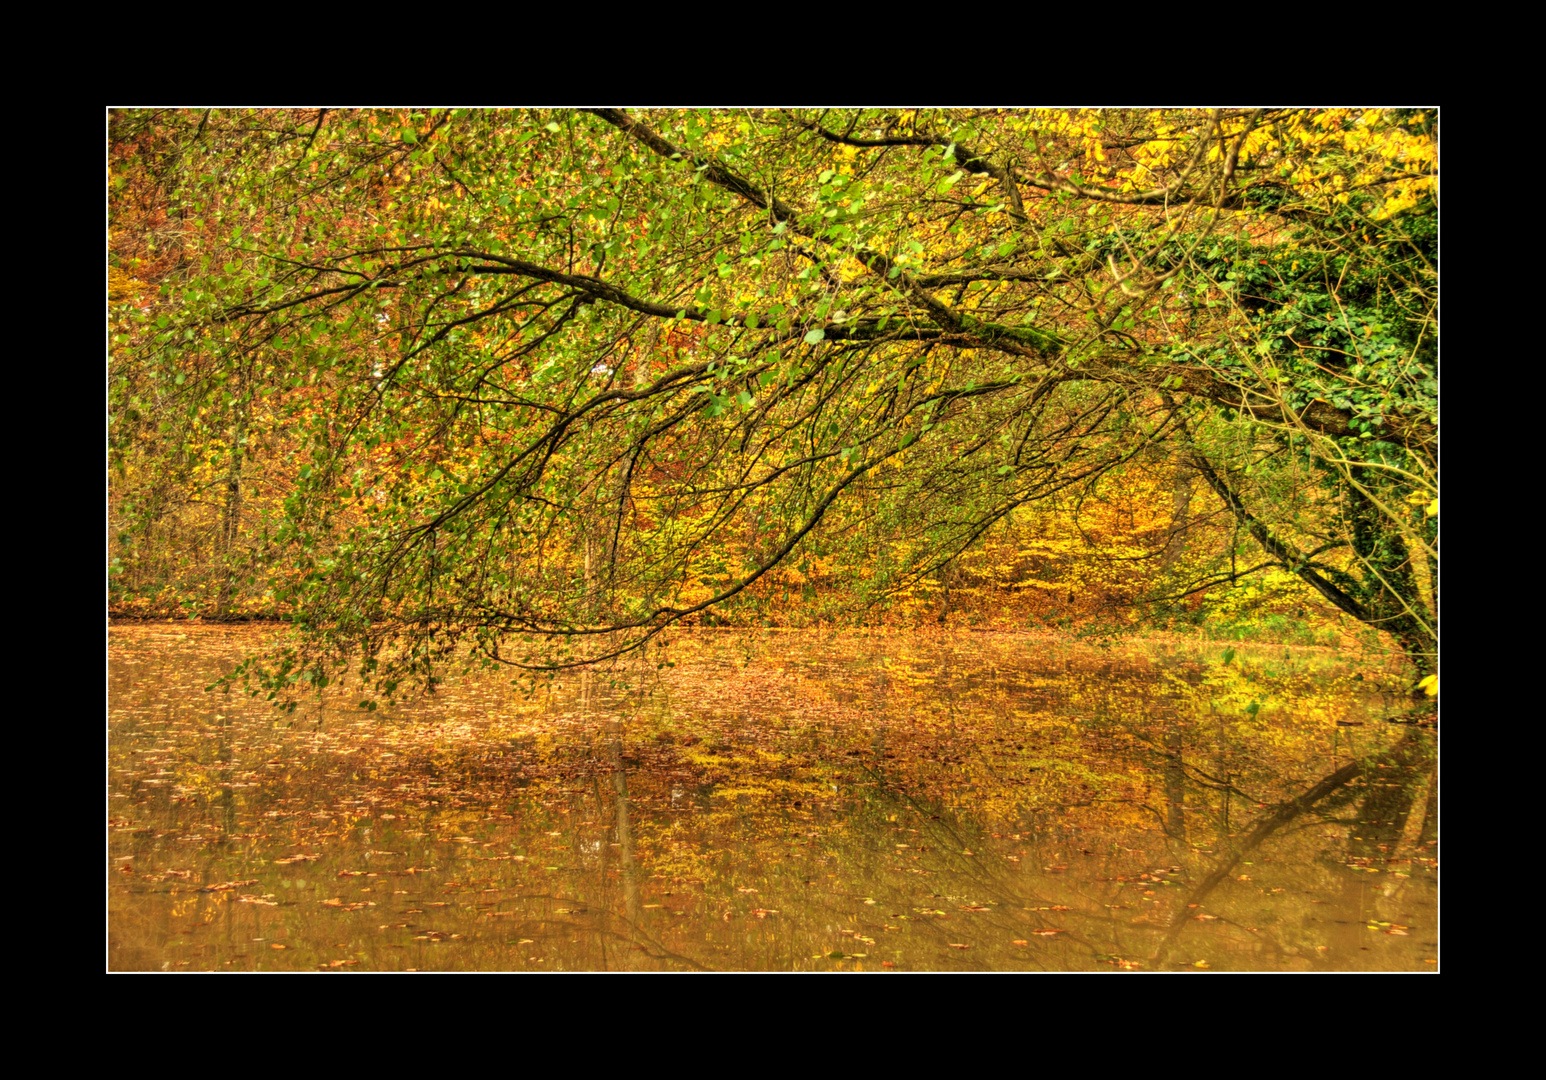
[(230, 511)]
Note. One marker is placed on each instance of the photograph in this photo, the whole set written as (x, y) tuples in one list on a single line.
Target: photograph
[(753, 539)]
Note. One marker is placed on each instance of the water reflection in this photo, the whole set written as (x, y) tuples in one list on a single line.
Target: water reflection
[(787, 802)]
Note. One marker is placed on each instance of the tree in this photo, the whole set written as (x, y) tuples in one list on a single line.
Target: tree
[(555, 381)]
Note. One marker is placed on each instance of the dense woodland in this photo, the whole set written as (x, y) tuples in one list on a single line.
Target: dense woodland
[(534, 387)]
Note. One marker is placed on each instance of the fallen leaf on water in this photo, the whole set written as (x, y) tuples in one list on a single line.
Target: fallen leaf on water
[(888, 963), (953, 945), (276, 945), (226, 885), (1200, 964), (336, 901), (974, 908), (528, 941), (1204, 916), (763, 913), (1020, 941), (1058, 907), (1048, 932)]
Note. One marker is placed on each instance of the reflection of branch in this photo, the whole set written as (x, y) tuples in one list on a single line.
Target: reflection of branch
[(664, 954), (1281, 815), (1221, 785)]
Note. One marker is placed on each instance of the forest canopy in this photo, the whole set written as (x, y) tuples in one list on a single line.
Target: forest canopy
[(537, 385)]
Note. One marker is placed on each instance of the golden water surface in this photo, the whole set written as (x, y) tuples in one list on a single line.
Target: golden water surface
[(781, 801)]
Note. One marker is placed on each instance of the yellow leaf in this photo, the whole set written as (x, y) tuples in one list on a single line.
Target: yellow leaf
[(1429, 685)]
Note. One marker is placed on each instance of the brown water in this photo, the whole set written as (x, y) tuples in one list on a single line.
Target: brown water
[(778, 802)]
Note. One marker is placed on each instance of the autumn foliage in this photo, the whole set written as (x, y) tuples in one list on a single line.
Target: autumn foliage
[(541, 384)]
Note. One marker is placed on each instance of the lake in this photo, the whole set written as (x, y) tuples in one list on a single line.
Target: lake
[(785, 801)]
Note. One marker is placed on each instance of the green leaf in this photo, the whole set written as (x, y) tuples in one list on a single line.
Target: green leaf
[(815, 336)]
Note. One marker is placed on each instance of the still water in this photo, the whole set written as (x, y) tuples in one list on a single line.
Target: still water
[(780, 801)]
